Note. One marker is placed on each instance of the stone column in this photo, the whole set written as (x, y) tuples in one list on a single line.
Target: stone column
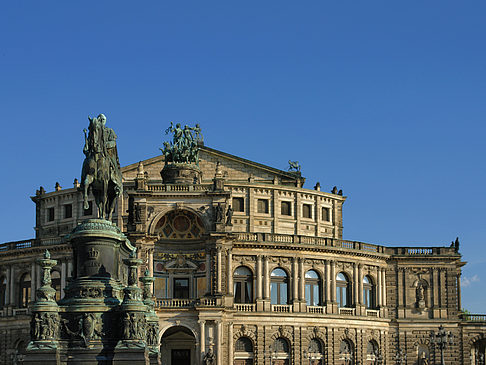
[(230, 343), (360, 284), (151, 262), (202, 338), (63, 277), (32, 282), (208, 272), (69, 269), (267, 278), (12, 285), (295, 280), (435, 289), (458, 283), (38, 277), (302, 280), (356, 285), (333, 281), (7, 289), (378, 287), (219, 273), (383, 285), (259, 277), (229, 270), (327, 282), (219, 336)]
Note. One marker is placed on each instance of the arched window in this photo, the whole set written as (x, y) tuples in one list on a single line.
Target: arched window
[(56, 283), (243, 351), (342, 290), (3, 291), (312, 288), (281, 353), (314, 352), (368, 293), (346, 352), (279, 287), (243, 285), (24, 290)]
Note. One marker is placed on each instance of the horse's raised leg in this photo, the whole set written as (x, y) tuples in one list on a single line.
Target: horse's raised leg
[(87, 182)]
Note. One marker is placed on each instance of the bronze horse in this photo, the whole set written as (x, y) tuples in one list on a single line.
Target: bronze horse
[(101, 171)]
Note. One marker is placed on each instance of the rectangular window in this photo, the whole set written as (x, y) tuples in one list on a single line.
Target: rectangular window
[(262, 205), (68, 211), (88, 211), (238, 204), (285, 208), (326, 216), (307, 211), (181, 288), (50, 214)]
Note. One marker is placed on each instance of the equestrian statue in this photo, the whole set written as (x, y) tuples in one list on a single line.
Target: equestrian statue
[(101, 167)]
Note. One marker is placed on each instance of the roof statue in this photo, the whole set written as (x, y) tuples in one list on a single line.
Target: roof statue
[(294, 166), (101, 167), (184, 147)]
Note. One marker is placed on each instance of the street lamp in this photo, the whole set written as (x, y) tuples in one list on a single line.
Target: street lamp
[(441, 339), (400, 357)]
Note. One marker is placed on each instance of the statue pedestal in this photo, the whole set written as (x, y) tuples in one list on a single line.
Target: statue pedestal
[(42, 356), (181, 173), (131, 355)]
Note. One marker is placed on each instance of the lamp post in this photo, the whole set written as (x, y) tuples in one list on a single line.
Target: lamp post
[(400, 357), (442, 339)]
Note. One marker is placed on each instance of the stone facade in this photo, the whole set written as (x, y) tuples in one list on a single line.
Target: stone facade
[(268, 281)]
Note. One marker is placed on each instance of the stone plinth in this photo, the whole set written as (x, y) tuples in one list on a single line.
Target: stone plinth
[(180, 173)]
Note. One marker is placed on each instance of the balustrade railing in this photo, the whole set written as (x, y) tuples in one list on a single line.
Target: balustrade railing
[(281, 308), (245, 307), (372, 313), (316, 309), (174, 303), (473, 317), (347, 311)]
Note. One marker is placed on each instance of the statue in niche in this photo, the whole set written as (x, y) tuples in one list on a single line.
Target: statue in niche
[(138, 213), (209, 358), (423, 359), (420, 295), (229, 216), (218, 213), (101, 168)]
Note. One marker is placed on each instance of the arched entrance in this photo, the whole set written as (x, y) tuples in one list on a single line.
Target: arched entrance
[(177, 346), (478, 352)]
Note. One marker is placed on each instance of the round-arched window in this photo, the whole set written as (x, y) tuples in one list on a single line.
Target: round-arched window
[(368, 293), (24, 290), (342, 290), (243, 285), (312, 288), (279, 287)]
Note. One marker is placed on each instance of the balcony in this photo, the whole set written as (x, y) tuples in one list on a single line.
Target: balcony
[(468, 317), (174, 303), (316, 309), (372, 313)]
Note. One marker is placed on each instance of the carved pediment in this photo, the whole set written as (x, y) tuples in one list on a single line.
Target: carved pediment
[(181, 264)]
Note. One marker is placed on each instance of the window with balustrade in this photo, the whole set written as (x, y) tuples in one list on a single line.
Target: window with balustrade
[(243, 351), (24, 290), (279, 287), (346, 352), (281, 352), (343, 290), (369, 293), (313, 290), (243, 285), (3, 291), (315, 353)]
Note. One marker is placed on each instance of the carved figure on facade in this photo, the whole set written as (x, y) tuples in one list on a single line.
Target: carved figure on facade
[(209, 357), (133, 326), (229, 216), (153, 334), (218, 213), (101, 168), (184, 147)]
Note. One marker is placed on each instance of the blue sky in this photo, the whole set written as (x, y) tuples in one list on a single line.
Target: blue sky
[(383, 99)]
